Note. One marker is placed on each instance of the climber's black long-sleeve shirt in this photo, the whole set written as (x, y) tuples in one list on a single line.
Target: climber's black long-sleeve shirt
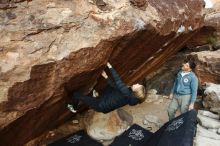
[(116, 94)]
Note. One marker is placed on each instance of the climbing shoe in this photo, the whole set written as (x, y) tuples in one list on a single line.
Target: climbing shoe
[(70, 107), (95, 93)]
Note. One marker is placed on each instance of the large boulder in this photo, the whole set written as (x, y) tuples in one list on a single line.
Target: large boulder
[(48, 45), (212, 98), (208, 68), (107, 126)]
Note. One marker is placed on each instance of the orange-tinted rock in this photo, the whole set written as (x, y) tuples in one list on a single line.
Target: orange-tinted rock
[(48, 45)]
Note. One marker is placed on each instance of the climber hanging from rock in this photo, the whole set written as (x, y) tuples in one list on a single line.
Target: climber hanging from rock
[(115, 95)]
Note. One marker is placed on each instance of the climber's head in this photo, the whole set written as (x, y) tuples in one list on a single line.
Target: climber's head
[(138, 90)]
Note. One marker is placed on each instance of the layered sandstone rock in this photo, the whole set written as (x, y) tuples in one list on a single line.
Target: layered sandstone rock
[(47, 45), (162, 80), (207, 128), (209, 122), (208, 66), (210, 33), (212, 98), (208, 114)]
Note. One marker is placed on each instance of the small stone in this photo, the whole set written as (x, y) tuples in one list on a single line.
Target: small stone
[(190, 28), (145, 122), (181, 29), (160, 100), (51, 133), (157, 102), (165, 96), (152, 98), (153, 119), (148, 100), (152, 91), (51, 5)]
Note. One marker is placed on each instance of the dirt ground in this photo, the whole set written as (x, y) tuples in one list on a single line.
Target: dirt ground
[(156, 109)]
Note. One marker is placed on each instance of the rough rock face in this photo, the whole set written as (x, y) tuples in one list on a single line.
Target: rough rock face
[(153, 97), (162, 79), (212, 98), (208, 66), (205, 137), (207, 128), (107, 126), (210, 33), (47, 45), (209, 123), (208, 114)]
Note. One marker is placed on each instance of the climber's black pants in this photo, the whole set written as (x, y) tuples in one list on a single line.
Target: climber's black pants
[(90, 101)]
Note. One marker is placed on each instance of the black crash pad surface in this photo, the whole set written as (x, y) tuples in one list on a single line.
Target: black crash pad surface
[(177, 132), (79, 138), (134, 136)]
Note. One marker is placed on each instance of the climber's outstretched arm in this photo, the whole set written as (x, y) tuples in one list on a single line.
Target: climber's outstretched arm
[(118, 82), (110, 82)]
